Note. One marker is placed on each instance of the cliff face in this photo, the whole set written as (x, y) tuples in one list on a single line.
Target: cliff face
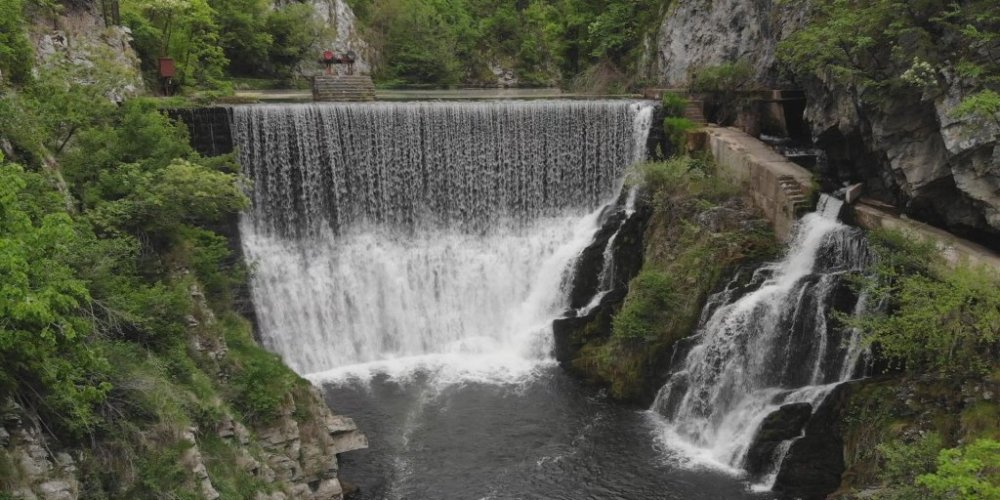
[(913, 152), (345, 35), (79, 35), (711, 32)]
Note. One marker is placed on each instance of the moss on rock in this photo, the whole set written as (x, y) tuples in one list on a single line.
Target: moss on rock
[(700, 229)]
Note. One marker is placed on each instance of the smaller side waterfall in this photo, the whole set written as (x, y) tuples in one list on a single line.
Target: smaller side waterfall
[(771, 342)]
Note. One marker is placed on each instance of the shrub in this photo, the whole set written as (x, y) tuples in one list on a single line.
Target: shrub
[(260, 382), (970, 472), (937, 318), (677, 129), (650, 296), (904, 462), (674, 104)]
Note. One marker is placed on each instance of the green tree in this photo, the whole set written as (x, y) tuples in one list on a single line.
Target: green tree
[(243, 34), (182, 29), (42, 303), (294, 32), (971, 472), (15, 52)]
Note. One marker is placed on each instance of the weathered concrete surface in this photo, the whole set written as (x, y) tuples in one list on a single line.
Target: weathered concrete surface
[(780, 188), (331, 88), (955, 250)]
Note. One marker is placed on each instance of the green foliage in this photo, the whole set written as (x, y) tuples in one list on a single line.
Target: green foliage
[(42, 305), (938, 318), (904, 462), (970, 472), (15, 51), (243, 33), (449, 41), (677, 128), (261, 382), (160, 470), (984, 105), (725, 87), (210, 39), (293, 31), (184, 30), (417, 42), (618, 27), (651, 293), (674, 104), (728, 77), (686, 176), (897, 48), (683, 262)]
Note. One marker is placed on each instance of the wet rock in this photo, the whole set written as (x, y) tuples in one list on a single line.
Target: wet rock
[(813, 466), (781, 425), (590, 263)]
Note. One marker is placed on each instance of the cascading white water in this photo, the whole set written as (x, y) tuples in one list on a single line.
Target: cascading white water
[(389, 235), (756, 351)]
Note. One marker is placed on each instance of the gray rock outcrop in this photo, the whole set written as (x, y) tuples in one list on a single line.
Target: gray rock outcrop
[(78, 35), (703, 33), (345, 36)]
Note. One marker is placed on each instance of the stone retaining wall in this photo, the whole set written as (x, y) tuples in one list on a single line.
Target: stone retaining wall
[(780, 188), (955, 250)]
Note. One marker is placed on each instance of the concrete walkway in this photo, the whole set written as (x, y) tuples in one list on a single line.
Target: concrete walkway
[(294, 95)]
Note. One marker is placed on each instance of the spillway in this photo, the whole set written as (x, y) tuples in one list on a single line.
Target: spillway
[(385, 233)]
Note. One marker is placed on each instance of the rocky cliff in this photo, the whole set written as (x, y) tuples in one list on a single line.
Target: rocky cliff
[(80, 36), (913, 153), (706, 33), (344, 35)]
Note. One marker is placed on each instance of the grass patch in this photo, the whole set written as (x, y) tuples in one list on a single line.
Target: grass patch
[(228, 478), (260, 382)]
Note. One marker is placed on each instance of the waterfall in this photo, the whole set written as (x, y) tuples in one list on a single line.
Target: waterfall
[(390, 235), (769, 342)]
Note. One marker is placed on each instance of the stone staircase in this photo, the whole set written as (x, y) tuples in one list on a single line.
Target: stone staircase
[(329, 88), (794, 194), (695, 111)]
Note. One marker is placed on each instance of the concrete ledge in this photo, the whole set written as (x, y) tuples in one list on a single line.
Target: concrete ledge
[(780, 188), (953, 249), (343, 88)]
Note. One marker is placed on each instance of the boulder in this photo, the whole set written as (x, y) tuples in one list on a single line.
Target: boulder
[(781, 425), (813, 466)]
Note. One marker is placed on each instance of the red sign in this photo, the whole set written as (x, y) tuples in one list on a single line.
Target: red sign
[(167, 67), (327, 55)]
